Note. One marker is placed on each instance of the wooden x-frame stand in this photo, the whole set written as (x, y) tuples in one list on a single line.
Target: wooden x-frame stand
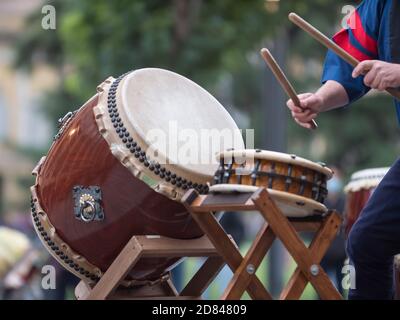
[(276, 226), (219, 248), (140, 247)]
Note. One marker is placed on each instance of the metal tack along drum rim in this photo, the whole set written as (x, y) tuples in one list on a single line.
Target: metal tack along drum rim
[(298, 184), (277, 156), (128, 144), (147, 97), (97, 187)]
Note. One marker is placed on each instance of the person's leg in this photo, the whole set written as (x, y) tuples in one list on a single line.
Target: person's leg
[(375, 239)]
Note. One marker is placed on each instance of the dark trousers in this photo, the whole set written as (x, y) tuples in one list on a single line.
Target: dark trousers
[(375, 239)]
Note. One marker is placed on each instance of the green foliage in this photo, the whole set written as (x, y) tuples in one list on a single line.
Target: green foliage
[(35, 41), (195, 38), (205, 40)]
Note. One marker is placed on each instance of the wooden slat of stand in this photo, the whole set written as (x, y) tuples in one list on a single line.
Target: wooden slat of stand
[(277, 224), (219, 202), (319, 245), (120, 267), (253, 258), (229, 252), (203, 278), (219, 248), (153, 246), (295, 246)]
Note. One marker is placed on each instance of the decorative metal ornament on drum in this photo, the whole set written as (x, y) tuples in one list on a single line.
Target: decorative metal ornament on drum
[(105, 180), (297, 185), (362, 184)]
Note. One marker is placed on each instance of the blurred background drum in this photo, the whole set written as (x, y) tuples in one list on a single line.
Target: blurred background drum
[(362, 184), (118, 168), (19, 259), (358, 191), (296, 184), (13, 246)]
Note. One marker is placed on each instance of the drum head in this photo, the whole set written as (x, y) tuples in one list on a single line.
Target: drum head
[(291, 205), (179, 122), (366, 179)]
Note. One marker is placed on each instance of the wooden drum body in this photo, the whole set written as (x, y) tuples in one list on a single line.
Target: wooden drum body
[(358, 191), (100, 183), (297, 185)]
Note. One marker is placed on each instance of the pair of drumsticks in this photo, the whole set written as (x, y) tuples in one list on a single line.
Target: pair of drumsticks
[(320, 37)]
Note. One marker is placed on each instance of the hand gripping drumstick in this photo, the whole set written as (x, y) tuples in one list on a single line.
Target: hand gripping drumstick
[(320, 37), (283, 81)]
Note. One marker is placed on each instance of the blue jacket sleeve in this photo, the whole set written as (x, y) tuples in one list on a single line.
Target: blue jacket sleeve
[(357, 41), (335, 68)]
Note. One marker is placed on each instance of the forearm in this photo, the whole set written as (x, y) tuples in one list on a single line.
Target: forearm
[(333, 95)]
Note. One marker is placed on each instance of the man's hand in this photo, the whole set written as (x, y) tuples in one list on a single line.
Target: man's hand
[(379, 75), (310, 106)]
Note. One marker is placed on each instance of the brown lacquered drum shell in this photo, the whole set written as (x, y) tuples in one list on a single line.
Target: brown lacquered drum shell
[(82, 157), (105, 178), (355, 202), (358, 191)]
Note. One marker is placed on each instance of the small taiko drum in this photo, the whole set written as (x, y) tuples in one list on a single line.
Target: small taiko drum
[(362, 184), (118, 167), (297, 185)]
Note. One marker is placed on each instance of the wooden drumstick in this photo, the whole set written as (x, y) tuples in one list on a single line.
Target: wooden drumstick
[(323, 39), (283, 81)]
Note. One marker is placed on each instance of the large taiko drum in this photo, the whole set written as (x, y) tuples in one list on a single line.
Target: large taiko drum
[(362, 184), (112, 171), (297, 185)]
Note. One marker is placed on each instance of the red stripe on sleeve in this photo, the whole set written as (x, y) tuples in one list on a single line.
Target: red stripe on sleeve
[(342, 39), (362, 37)]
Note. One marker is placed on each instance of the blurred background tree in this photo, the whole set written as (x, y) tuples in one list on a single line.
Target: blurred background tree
[(209, 41), (216, 44)]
